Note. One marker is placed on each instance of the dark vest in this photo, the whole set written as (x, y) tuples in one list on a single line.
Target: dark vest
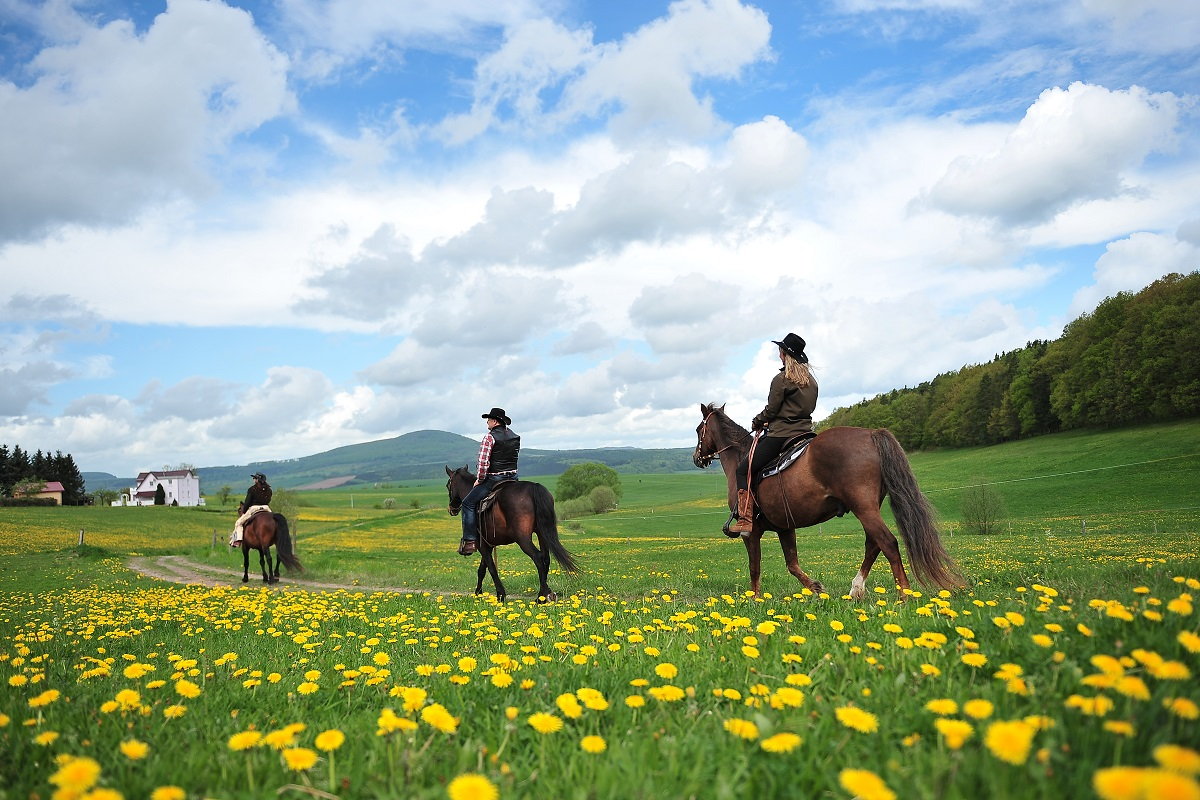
[(258, 495), (505, 446)]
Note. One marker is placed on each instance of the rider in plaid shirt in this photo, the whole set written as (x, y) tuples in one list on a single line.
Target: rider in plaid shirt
[(497, 463)]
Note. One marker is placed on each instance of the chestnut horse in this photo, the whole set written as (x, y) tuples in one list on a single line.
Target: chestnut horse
[(844, 469), (521, 509), (261, 532)]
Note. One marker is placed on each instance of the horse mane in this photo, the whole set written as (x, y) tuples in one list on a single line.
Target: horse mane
[(731, 429)]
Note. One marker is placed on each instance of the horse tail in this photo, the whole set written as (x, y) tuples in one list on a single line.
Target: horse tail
[(283, 544), (546, 525), (915, 517)]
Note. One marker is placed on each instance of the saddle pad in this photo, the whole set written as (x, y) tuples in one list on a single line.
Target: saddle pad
[(788, 456), (490, 500)]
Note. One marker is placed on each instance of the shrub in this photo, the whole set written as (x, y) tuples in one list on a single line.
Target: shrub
[(602, 499), (581, 479), (982, 510)]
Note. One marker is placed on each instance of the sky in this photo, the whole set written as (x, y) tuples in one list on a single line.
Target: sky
[(245, 231)]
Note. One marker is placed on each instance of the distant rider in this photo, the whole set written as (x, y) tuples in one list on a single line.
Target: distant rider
[(258, 496), (498, 454)]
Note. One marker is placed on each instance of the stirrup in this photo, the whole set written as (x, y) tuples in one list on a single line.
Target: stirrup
[(467, 547)]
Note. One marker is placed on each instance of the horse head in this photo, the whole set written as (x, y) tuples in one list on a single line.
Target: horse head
[(459, 482), (706, 445)]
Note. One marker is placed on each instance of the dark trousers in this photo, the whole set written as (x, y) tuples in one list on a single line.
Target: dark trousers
[(766, 451), (470, 504)]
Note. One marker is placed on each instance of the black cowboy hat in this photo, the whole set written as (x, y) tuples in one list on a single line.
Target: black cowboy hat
[(793, 345), (259, 476), (498, 415)]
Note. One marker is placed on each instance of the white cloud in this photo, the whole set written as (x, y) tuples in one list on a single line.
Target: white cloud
[(100, 134), (1072, 145), (1132, 263)]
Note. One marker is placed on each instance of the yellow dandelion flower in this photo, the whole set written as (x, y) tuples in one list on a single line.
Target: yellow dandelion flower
[(666, 671), (244, 740), (864, 784), (782, 742), (307, 687), (569, 705), (942, 706), (742, 727), (17, 680), (511, 713), (593, 744), (472, 786), (954, 731), (545, 723), (501, 680), (133, 749), (1161, 783), (1189, 640), (1119, 727), (77, 775), (299, 759), (187, 689), (930, 670), (635, 701), (436, 716), (1177, 758), (168, 793), (45, 738), (978, 709), (974, 659), (388, 722), (787, 696), (467, 664), (1010, 740), (1182, 707), (174, 711), (857, 719), (329, 740)]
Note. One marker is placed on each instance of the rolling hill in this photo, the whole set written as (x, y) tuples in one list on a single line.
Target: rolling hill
[(416, 455)]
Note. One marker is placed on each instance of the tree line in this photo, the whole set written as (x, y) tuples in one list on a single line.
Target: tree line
[(22, 473), (1132, 360)]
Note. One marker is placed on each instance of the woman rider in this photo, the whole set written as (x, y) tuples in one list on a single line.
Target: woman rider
[(788, 414)]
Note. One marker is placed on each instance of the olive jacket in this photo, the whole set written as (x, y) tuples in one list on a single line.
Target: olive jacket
[(789, 408)]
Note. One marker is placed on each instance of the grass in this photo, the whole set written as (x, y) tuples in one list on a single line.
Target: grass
[(695, 689)]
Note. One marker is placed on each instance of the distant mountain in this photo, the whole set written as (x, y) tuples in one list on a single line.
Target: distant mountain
[(413, 456)]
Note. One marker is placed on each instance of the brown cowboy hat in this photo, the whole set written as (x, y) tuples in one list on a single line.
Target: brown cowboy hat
[(498, 415), (793, 345)]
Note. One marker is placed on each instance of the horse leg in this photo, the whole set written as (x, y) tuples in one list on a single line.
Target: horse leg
[(753, 542), (245, 562), (541, 560), (880, 537), (274, 570), (494, 571), (787, 540), (484, 553), (858, 586), (263, 560)]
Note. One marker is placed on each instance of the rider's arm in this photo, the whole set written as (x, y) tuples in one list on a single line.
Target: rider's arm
[(774, 404), (485, 458)]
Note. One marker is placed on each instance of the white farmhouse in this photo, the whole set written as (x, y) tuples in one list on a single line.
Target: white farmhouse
[(180, 487)]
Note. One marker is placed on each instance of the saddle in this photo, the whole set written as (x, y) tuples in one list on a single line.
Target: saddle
[(489, 500), (791, 453)]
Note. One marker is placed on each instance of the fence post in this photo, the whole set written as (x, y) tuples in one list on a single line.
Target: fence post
[(1083, 523), (81, 537)]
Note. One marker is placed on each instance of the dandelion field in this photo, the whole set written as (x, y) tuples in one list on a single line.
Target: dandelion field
[(1067, 668)]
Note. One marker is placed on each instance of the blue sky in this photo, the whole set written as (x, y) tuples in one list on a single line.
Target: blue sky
[(248, 231)]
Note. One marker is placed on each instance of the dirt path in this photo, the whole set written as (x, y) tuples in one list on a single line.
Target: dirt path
[(179, 569)]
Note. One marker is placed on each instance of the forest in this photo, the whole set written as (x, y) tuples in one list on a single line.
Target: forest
[(22, 472), (1132, 360)]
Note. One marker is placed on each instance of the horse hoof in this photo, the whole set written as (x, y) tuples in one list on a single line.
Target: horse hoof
[(245, 580), (818, 587)]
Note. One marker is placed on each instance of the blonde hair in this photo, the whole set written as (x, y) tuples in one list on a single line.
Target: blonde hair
[(795, 371)]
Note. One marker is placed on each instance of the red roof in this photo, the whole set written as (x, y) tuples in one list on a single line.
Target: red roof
[(54, 486)]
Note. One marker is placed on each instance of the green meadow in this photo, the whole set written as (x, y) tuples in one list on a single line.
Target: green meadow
[(1066, 669)]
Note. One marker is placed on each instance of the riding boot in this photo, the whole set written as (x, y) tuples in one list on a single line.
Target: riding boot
[(745, 513), (470, 537)]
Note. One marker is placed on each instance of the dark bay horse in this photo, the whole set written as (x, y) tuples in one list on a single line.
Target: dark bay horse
[(844, 469), (261, 532), (522, 508)]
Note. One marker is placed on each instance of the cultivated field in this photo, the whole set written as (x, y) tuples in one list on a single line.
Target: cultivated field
[(1067, 669)]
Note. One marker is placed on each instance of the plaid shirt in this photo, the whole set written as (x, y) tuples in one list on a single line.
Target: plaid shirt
[(485, 456)]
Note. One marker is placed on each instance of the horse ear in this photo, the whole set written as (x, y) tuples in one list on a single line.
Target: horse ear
[(450, 472), (704, 410)]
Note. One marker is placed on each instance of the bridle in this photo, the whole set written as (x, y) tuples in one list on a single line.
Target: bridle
[(455, 502), (703, 461)]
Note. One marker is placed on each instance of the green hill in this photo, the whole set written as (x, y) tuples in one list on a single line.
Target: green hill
[(418, 455)]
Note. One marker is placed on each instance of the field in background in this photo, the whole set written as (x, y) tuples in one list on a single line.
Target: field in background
[(1068, 663)]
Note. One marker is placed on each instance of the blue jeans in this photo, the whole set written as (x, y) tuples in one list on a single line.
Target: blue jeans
[(470, 504)]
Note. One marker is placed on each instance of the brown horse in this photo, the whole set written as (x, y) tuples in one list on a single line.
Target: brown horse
[(522, 508), (261, 532), (844, 469)]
